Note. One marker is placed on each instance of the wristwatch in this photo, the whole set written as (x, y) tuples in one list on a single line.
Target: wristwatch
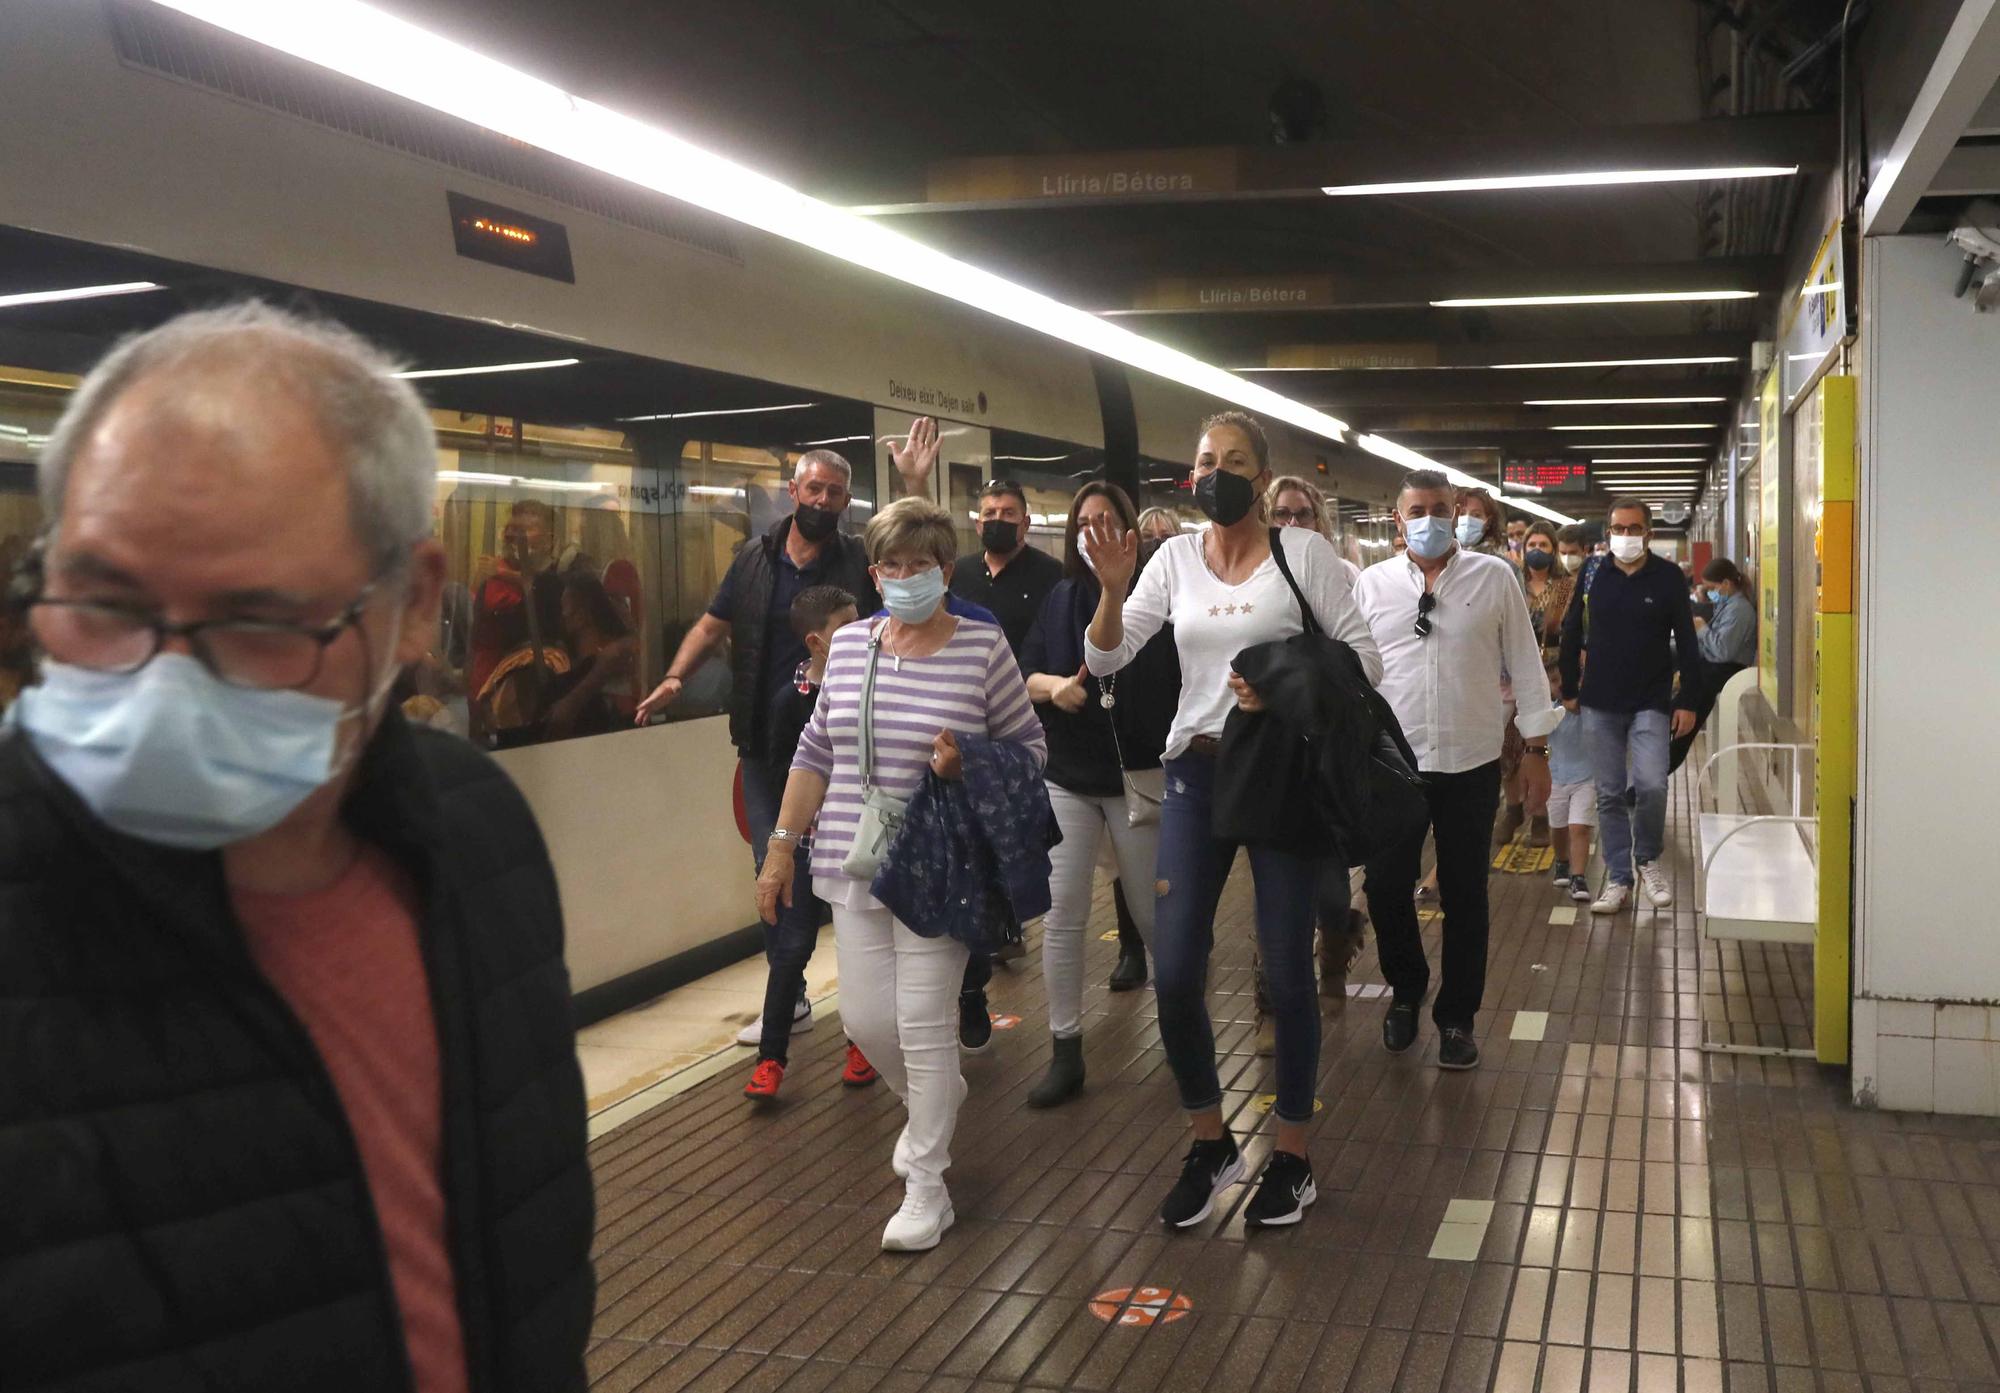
[(1542, 750)]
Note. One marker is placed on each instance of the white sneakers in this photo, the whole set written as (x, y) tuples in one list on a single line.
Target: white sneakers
[(1659, 889), (1614, 898), (802, 1020), (921, 1222)]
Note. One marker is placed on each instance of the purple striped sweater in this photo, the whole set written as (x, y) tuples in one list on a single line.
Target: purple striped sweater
[(971, 686)]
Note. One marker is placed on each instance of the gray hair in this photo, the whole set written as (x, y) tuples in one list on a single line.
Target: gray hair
[(825, 459), (1423, 481), (375, 422)]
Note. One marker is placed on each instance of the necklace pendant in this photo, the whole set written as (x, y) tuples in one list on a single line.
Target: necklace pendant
[(1107, 701)]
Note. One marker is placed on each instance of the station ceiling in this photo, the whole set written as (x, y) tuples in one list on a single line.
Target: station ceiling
[(980, 128)]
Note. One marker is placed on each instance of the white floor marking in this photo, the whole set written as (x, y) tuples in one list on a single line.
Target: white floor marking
[(1529, 1025), (1566, 914), (1463, 1231)]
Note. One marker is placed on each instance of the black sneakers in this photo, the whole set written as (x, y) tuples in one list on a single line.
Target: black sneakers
[(975, 1027), (1283, 1193), (1210, 1168), (1399, 1028), (1456, 1048)]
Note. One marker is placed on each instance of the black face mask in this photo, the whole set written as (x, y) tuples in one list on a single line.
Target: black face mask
[(1539, 560), (1226, 498), (999, 537), (815, 524)]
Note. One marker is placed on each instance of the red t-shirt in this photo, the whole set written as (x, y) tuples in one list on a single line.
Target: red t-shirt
[(347, 960)]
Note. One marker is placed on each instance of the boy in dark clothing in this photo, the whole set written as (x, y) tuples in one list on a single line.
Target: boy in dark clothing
[(816, 615)]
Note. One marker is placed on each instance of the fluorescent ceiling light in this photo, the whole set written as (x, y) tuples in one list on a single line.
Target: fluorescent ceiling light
[(1627, 426), (491, 367), (1643, 445), (1624, 401), (1581, 180), (1640, 297), (1653, 459), (1618, 363), (723, 411), (365, 44), (80, 292)]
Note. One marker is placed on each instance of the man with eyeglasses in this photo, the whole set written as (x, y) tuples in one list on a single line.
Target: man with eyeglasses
[(1451, 628), (289, 1062), (1630, 629)]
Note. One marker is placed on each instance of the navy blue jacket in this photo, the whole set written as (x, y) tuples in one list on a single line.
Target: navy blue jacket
[(973, 852)]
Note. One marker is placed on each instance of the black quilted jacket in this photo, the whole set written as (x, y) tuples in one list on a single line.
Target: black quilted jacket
[(181, 1203)]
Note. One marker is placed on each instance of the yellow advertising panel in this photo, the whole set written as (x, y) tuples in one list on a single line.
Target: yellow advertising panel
[(1833, 716), (1770, 559)]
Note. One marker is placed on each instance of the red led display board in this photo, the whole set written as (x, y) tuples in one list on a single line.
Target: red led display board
[(1550, 476)]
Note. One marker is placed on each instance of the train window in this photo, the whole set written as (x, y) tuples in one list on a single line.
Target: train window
[(29, 404), (1049, 473)]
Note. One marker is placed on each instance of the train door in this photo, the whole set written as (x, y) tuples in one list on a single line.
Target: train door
[(965, 462)]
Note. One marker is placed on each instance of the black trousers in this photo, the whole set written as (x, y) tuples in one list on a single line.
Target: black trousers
[(1461, 818), (1713, 675)]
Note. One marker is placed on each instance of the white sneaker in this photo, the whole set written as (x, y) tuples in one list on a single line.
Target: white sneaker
[(802, 1021), (1659, 889), (921, 1222), (1614, 898)]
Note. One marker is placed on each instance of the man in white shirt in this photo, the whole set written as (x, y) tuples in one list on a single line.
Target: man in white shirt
[(1451, 628)]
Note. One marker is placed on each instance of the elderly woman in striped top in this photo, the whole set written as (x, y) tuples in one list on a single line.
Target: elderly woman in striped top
[(934, 674)]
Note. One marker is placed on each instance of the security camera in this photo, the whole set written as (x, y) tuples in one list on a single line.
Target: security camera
[(1979, 239)]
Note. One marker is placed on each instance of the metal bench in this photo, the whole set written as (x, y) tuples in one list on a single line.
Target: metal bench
[(1757, 876)]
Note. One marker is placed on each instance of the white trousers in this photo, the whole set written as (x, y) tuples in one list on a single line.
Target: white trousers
[(1072, 876), (899, 1003)]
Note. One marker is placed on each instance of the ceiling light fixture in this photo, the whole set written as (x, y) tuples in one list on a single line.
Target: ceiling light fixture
[(1624, 401), (363, 43), (723, 411), (491, 367), (1652, 459), (1621, 425), (1638, 297), (1643, 445), (1619, 363), (80, 292), (1580, 180)]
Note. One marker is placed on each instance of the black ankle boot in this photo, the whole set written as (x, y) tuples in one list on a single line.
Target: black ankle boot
[(1065, 1077), (1130, 974)]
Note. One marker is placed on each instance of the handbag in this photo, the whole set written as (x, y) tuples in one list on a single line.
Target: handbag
[(1145, 789), (881, 813)]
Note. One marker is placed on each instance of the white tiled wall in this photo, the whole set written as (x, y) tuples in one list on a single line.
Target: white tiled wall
[(1927, 1056)]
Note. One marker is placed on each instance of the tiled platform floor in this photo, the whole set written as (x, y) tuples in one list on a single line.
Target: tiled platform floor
[(1660, 1219)]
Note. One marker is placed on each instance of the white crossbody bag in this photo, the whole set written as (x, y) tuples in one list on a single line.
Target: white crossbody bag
[(881, 814), (1145, 789)]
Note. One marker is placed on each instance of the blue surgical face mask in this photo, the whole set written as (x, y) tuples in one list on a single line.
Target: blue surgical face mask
[(1714, 596), (1471, 530), (913, 599), (173, 755), (1428, 537)]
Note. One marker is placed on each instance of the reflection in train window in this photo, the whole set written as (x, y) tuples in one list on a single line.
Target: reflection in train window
[(29, 404), (1048, 472)]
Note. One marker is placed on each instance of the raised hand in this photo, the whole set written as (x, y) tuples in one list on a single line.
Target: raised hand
[(918, 457), (1113, 554)]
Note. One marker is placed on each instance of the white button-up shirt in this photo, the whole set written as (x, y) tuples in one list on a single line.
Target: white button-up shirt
[(1446, 688)]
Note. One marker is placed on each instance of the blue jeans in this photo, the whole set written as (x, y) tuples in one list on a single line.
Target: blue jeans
[(1194, 868), (1628, 761)]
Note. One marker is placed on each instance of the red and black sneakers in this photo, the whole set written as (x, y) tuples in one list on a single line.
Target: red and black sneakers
[(859, 1073), (765, 1079)]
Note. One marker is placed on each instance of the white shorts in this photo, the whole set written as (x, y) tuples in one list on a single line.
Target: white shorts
[(1573, 805)]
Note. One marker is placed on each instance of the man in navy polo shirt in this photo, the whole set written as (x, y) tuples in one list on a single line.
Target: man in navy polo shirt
[(1636, 623)]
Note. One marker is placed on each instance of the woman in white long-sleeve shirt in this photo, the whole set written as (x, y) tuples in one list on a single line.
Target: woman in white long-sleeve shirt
[(1223, 592)]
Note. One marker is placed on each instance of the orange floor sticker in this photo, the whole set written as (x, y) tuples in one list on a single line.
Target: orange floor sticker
[(1004, 1022), (1264, 1102), (1141, 1306)]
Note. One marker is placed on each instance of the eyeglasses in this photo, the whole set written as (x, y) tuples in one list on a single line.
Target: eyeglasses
[(253, 653), (1290, 517), (1426, 602)]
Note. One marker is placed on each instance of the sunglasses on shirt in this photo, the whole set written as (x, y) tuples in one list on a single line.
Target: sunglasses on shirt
[(1426, 602)]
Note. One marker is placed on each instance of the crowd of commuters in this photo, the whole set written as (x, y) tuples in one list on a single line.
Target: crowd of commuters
[(289, 882)]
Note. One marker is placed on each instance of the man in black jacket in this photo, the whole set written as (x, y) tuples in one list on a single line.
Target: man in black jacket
[(289, 1097), (1630, 627)]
